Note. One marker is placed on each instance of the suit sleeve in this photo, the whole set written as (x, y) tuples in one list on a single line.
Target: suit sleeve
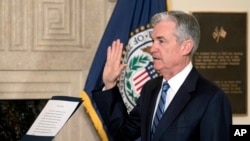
[(121, 125), (216, 121)]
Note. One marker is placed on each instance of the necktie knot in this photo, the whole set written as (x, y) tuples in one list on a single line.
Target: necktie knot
[(165, 86)]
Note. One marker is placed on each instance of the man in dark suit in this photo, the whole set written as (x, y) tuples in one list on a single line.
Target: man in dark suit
[(193, 108)]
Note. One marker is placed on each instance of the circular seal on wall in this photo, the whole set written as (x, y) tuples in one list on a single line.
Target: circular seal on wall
[(140, 67)]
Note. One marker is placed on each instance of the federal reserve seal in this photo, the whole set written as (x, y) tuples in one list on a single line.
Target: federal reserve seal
[(140, 66)]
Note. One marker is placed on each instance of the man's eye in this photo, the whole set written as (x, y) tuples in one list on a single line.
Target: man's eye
[(161, 41)]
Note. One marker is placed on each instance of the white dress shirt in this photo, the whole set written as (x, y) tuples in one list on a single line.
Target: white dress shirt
[(174, 83)]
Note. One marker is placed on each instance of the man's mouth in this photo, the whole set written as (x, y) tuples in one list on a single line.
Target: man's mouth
[(156, 58)]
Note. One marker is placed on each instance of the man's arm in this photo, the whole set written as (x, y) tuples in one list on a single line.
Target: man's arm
[(121, 125), (216, 121)]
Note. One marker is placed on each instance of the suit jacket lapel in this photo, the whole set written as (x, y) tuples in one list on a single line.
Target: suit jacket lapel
[(154, 93), (181, 98)]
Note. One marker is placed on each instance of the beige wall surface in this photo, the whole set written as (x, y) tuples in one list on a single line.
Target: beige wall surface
[(47, 47)]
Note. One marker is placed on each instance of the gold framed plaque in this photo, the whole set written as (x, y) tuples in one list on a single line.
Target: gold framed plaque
[(222, 54)]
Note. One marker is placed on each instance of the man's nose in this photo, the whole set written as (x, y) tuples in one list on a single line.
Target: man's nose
[(153, 48)]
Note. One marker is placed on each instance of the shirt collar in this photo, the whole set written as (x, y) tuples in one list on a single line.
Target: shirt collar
[(176, 81)]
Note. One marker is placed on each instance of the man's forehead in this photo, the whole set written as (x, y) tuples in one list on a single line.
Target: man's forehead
[(164, 26)]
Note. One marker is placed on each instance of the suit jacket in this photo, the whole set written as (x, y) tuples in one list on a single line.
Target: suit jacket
[(200, 111)]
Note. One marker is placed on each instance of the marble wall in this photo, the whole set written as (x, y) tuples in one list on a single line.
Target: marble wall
[(46, 49)]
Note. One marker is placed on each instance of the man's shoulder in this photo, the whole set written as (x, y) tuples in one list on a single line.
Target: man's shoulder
[(155, 80)]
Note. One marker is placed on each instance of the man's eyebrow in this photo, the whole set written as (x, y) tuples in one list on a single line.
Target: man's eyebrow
[(160, 38)]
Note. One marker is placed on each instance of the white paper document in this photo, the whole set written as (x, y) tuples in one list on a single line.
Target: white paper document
[(52, 118)]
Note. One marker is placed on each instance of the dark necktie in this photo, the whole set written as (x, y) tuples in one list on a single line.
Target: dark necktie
[(161, 107)]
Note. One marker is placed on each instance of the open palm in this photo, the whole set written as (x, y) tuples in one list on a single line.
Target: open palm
[(113, 66)]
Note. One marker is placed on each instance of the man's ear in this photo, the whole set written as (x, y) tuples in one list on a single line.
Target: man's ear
[(187, 47)]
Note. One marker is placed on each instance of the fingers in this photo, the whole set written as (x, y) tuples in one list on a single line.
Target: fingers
[(108, 53), (114, 55), (117, 48), (122, 67), (118, 51), (115, 51), (113, 66)]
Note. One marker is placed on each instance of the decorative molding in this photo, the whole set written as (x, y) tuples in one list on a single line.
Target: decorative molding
[(18, 35), (42, 25), (57, 25)]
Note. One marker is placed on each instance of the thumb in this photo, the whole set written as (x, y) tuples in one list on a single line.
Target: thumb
[(122, 67)]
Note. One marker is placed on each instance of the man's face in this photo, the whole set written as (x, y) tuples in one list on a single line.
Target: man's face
[(166, 52)]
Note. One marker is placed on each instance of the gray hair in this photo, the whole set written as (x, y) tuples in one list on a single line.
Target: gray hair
[(187, 26)]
